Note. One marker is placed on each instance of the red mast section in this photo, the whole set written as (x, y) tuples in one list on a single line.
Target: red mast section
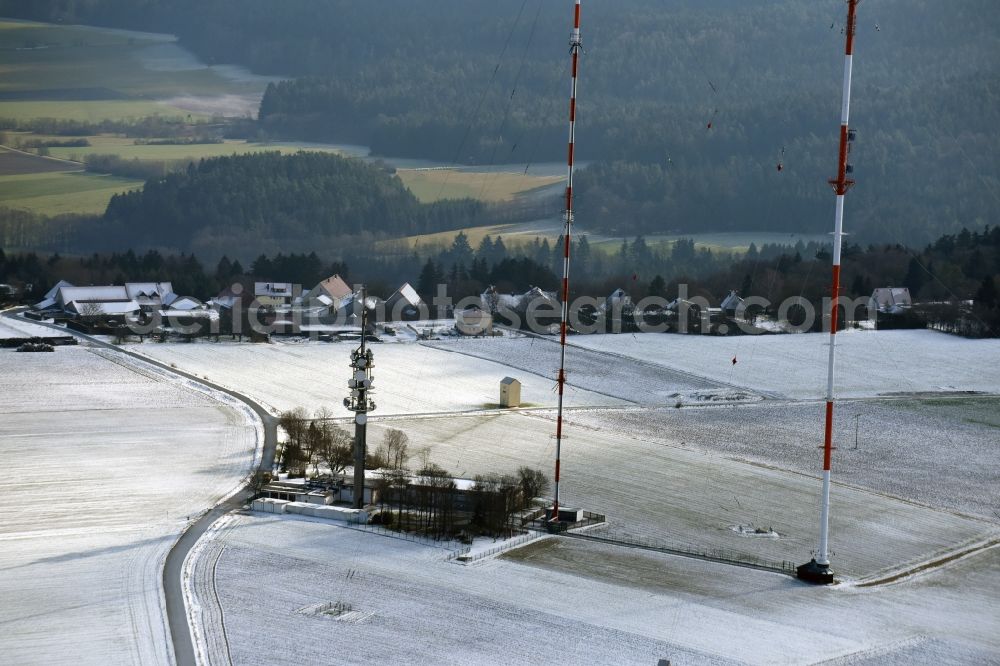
[(575, 46)]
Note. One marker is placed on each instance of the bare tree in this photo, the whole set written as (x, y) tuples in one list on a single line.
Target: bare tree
[(394, 451), (91, 311), (337, 449), (295, 424), (440, 488), (494, 502), (532, 483), (424, 457)]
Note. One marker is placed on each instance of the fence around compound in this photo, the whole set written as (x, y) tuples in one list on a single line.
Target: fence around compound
[(455, 548), (506, 544), (722, 555)]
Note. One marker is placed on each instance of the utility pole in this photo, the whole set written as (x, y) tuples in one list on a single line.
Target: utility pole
[(575, 46), (359, 402), (818, 569)]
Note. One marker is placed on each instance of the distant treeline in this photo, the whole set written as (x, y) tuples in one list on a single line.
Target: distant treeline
[(131, 168), (951, 271), (150, 126)]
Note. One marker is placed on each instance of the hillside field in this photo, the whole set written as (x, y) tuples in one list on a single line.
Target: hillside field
[(430, 185), (56, 193), (94, 74)]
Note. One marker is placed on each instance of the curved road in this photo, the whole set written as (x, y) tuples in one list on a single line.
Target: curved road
[(173, 589)]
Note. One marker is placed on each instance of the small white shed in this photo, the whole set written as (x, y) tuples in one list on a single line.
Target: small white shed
[(510, 392)]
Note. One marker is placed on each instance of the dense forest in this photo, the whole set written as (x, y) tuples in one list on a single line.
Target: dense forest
[(486, 83), (246, 203)]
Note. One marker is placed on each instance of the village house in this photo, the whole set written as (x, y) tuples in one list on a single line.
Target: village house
[(891, 300), (331, 293), (403, 305), (474, 321), (273, 294)]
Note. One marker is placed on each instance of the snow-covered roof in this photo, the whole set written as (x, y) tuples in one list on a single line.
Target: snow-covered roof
[(732, 301), (107, 307), (329, 328), (475, 314), (67, 295), (277, 289), (51, 293), (619, 297), (223, 301), (409, 294), (184, 303), (515, 301), (891, 298), (45, 304), (152, 290), (509, 381), (206, 314), (334, 286)]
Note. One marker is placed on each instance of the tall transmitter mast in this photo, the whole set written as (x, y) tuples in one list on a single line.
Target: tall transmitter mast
[(818, 570), (575, 45)]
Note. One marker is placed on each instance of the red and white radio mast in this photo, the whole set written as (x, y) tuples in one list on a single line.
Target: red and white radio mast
[(818, 569), (575, 46)]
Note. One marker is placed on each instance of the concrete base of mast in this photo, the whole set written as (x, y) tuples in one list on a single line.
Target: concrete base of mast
[(815, 573)]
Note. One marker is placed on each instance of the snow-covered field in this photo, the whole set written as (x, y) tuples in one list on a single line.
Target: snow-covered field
[(652, 488), (565, 602), (104, 462), (409, 378), (936, 451), (11, 328), (91, 519), (869, 363), (632, 379)]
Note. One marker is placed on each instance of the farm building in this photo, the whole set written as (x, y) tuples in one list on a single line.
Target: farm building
[(109, 301), (891, 300), (474, 321), (238, 292), (123, 303), (150, 295), (331, 293), (403, 305), (51, 299), (731, 303), (273, 294), (618, 301), (542, 307)]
